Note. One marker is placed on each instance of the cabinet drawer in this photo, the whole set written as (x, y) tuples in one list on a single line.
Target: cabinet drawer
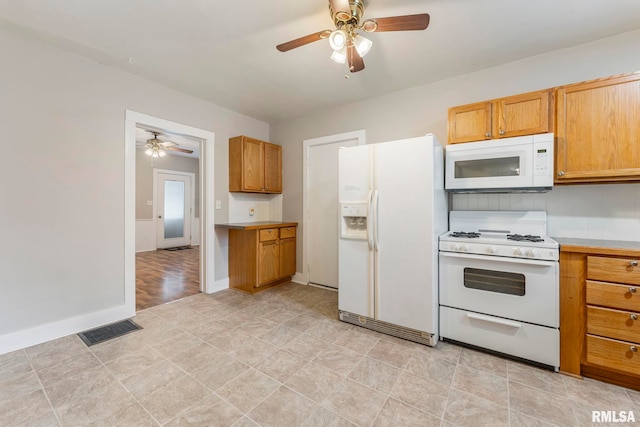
[(621, 270), (287, 232), (613, 354), (623, 297), (268, 234), (621, 325)]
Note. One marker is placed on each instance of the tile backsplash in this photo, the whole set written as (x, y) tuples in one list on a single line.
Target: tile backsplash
[(603, 211)]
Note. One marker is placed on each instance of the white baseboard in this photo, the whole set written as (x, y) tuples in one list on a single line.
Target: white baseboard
[(299, 278), (218, 285), (50, 331)]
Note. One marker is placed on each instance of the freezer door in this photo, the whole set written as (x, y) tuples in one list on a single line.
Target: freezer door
[(355, 256), (405, 256), (354, 173)]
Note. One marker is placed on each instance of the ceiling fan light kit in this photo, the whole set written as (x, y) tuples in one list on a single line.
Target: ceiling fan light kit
[(347, 44)]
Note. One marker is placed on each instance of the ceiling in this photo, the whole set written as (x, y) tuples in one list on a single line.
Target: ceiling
[(224, 51)]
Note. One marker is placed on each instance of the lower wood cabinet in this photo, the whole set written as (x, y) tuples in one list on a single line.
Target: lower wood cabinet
[(600, 313), (260, 258)]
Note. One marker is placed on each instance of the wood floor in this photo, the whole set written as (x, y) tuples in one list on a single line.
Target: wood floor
[(164, 276)]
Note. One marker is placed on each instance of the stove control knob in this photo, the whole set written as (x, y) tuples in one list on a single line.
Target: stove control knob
[(455, 247), (463, 248), (517, 251), (491, 249), (532, 253)]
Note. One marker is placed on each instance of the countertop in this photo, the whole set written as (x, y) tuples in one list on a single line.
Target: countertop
[(604, 247), (257, 225)]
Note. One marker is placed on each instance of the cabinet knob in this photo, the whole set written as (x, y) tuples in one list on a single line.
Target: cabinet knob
[(488, 135), (633, 263), (561, 173), (633, 348), (632, 290), (502, 132), (634, 316)]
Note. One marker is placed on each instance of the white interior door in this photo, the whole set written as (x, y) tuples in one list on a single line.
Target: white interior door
[(322, 209), (173, 210)]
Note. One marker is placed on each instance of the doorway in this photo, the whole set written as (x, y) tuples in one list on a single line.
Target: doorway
[(174, 200), (320, 206), (205, 183)]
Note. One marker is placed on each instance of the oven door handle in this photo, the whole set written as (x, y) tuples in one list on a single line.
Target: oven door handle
[(535, 262), (494, 320)]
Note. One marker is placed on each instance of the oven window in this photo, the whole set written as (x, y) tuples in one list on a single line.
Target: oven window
[(487, 168), (494, 281)]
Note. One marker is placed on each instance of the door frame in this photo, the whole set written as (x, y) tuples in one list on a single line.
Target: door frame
[(192, 198), (360, 136), (207, 201)]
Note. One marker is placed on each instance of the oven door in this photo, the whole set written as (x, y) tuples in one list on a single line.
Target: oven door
[(512, 288), (490, 165)]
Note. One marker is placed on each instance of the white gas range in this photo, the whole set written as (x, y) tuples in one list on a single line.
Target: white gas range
[(499, 284)]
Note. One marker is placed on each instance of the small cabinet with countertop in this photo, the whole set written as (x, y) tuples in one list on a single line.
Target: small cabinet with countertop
[(523, 114), (598, 131), (261, 254), (600, 310), (254, 166)]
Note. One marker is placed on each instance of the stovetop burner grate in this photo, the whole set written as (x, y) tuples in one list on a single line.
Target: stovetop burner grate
[(525, 238), (465, 234)]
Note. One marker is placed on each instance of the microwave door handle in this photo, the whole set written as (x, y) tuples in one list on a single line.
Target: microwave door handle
[(501, 259)]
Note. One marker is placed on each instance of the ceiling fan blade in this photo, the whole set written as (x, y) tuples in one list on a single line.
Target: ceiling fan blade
[(341, 9), (355, 60), (182, 150), (402, 23), (292, 44), (166, 144)]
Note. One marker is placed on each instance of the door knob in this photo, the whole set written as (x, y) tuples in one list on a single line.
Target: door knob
[(633, 263), (160, 216), (633, 316), (502, 132), (561, 173)]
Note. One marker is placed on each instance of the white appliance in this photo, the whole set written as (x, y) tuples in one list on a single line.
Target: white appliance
[(393, 207), (519, 164), (499, 284)]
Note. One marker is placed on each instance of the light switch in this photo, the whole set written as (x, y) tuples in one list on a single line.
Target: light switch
[(218, 204), (149, 202), (251, 211)]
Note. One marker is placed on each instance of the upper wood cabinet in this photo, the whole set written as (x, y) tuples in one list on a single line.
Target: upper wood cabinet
[(254, 166), (525, 114), (598, 131)]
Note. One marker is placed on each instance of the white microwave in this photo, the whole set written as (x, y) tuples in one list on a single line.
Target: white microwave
[(518, 164)]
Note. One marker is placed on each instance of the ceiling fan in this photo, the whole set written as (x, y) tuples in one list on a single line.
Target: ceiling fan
[(155, 147), (349, 46)]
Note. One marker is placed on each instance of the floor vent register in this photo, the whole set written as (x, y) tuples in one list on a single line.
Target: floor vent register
[(104, 333)]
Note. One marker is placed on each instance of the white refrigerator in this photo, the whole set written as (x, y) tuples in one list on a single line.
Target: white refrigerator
[(393, 207)]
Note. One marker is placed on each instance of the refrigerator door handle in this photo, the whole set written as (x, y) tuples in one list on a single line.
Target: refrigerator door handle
[(370, 221), (376, 197)]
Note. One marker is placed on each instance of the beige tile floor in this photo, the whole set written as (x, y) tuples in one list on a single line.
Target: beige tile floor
[(281, 358)]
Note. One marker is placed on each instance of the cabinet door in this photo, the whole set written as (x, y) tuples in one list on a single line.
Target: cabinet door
[(253, 165), (525, 114), (268, 261), (598, 131), (287, 257), (272, 168), (470, 122)]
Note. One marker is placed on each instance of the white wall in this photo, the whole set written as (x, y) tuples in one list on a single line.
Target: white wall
[(423, 109), (62, 201)]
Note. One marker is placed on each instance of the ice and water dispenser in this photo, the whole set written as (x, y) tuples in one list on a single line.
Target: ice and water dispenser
[(354, 220)]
